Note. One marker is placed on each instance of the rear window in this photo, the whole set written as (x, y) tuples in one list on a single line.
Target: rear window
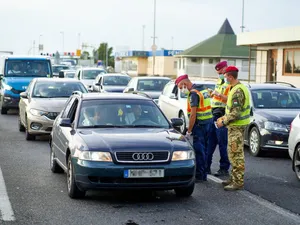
[(151, 84)]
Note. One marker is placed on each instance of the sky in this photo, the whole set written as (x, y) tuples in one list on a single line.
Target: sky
[(120, 22)]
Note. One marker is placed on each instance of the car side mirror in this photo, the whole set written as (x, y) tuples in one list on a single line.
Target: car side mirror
[(98, 84), (61, 74), (65, 122), (251, 111), (176, 122), (24, 95)]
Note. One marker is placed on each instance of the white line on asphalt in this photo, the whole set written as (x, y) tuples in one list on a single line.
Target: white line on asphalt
[(6, 211), (262, 202)]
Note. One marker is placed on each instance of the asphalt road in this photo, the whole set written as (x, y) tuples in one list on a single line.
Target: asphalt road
[(37, 196)]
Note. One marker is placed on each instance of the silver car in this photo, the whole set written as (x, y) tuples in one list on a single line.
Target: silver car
[(294, 145)]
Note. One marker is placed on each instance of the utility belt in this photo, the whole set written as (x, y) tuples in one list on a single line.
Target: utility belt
[(203, 122), (218, 111)]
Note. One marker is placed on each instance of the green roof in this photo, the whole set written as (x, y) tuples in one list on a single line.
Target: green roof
[(223, 44)]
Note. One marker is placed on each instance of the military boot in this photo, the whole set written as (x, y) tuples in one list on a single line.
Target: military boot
[(226, 182), (233, 187)]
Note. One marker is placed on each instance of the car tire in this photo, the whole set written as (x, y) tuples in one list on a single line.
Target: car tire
[(73, 190), (296, 161), (185, 192), (183, 127), (20, 125), (254, 142), (28, 136), (4, 111), (55, 168)]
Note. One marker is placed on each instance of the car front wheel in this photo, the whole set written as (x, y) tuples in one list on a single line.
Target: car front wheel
[(185, 192), (254, 142), (296, 162), (73, 190)]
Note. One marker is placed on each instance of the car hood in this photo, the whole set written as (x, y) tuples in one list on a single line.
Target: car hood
[(109, 88), (18, 83), (48, 104), (119, 139), (283, 116), (153, 94)]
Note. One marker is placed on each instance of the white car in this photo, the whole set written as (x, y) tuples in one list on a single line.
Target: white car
[(294, 145), (174, 103), (87, 75)]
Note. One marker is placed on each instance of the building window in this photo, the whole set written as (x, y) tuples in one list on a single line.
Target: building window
[(231, 62), (175, 64), (291, 62), (245, 66), (210, 61)]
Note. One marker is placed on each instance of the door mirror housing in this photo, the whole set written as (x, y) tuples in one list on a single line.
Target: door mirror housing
[(65, 122), (176, 122), (61, 74), (24, 95)]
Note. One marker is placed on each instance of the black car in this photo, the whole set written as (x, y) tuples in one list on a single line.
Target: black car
[(273, 108), (111, 140)]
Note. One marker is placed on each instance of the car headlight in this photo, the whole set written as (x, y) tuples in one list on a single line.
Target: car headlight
[(37, 112), (275, 126), (7, 87), (93, 156), (183, 155)]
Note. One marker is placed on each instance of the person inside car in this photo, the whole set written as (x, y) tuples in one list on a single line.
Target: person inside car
[(284, 100), (15, 69)]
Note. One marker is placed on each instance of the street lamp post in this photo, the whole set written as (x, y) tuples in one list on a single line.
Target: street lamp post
[(143, 38), (79, 34), (63, 41), (243, 12), (40, 43), (172, 43), (154, 37)]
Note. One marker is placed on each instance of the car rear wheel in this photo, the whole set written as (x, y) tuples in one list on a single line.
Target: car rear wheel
[(21, 126), (254, 142), (185, 192), (183, 127), (55, 168), (296, 162), (73, 190)]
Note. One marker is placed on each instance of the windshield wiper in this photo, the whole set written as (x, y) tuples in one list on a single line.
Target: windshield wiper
[(102, 126), (146, 126)]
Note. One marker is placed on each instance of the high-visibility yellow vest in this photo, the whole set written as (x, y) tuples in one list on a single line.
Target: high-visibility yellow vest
[(204, 108), (244, 118), (222, 89)]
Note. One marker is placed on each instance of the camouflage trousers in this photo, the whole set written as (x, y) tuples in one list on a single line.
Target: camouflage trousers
[(236, 156)]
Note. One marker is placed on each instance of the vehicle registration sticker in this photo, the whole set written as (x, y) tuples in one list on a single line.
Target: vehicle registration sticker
[(142, 173)]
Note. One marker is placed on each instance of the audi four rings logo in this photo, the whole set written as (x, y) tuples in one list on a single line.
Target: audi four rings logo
[(142, 156)]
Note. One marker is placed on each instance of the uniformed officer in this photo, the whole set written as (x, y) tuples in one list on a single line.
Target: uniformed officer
[(200, 119), (237, 117), (219, 136)]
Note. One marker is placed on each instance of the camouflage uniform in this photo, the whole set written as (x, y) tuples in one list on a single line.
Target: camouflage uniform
[(235, 146)]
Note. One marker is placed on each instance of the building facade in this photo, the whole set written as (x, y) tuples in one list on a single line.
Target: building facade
[(277, 54)]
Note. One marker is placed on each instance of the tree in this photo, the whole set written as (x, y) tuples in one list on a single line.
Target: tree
[(104, 50), (85, 55)]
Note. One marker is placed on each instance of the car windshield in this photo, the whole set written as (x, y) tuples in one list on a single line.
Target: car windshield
[(116, 80), (121, 113), (57, 69), (151, 84), (36, 68), (52, 89), (70, 75), (276, 98), (91, 74), (210, 86)]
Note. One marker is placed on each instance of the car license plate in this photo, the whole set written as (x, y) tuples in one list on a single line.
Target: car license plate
[(149, 173)]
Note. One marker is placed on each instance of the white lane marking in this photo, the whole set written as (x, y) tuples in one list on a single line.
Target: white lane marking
[(6, 211), (262, 202)]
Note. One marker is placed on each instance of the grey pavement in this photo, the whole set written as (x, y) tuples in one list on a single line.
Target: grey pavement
[(38, 196)]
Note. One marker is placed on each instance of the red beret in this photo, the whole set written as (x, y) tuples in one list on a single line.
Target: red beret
[(180, 78), (231, 68), (221, 65)]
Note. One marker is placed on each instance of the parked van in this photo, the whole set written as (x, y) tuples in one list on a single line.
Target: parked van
[(16, 72)]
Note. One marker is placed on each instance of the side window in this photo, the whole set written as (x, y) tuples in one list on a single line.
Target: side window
[(100, 80), (168, 89), (79, 72), (29, 88), (73, 110), (67, 108)]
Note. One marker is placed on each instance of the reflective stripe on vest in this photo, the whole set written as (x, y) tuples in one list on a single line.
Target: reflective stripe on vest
[(222, 89), (244, 118), (204, 108)]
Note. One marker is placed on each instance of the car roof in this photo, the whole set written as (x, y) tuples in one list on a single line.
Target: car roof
[(91, 68), (152, 77), (269, 86), (114, 74), (24, 57), (68, 71), (44, 79), (113, 96)]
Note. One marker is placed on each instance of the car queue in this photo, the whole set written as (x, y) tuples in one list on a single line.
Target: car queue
[(86, 140)]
